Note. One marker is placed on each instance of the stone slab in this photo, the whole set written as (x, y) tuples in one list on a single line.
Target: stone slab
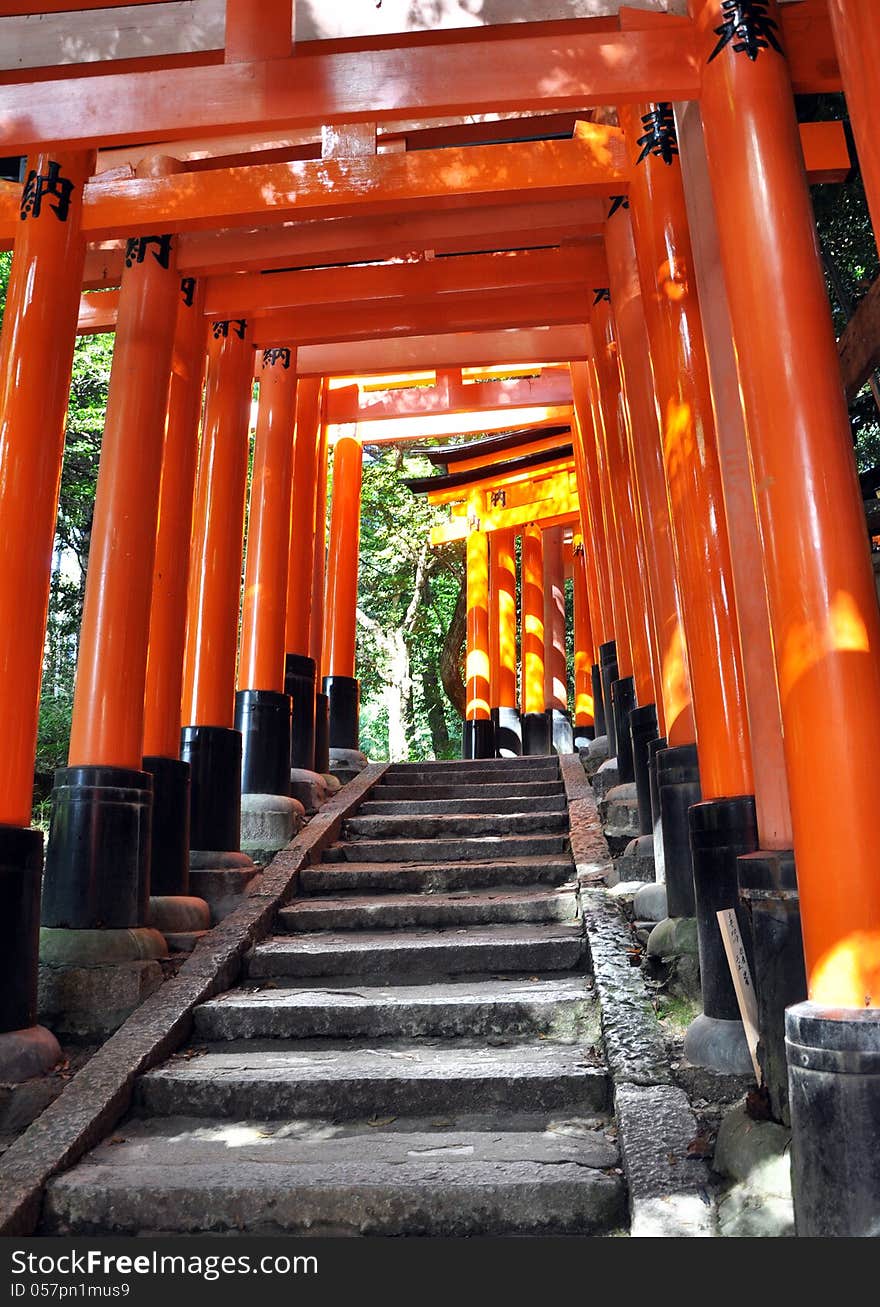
[(605, 778), (489, 792), (395, 911), (478, 825), (588, 845), (485, 848), (562, 1007), (269, 822), (668, 1186), (458, 807)]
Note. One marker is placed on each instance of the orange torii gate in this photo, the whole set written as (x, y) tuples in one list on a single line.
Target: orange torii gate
[(761, 675)]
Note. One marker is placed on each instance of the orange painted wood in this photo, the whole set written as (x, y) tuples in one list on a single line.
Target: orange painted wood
[(477, 672), (857, 41), (532, 636), (180, 458), (264, 607), (316, 617), (389, 354), (342, 558), (107, 726), (418, 78), (36, 355), (450, 394), (307, 444), (583, 638), (592, 519), (503, 577), (255, 32), (218, 529), (820, 584), (555, 672)]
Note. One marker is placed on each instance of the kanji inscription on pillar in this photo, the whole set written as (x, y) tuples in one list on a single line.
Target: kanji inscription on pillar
[(603, 294), (221, 329), (187, 290), (659, 138), (747, 26), (48, 185), (137, 248), (278, 354)]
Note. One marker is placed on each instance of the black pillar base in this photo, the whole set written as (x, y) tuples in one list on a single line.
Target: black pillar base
[(322, 734), (834, 1089), (344, 695), (582, 735), (654, 747), (21, 867), (477, 739), (169, 831), (300, 680), (508, 732), (98, 858), (536, 733), (214, 756), (678, 787), (599, 714), (263, 718), (561, 731), (643, 729), (623, 701), (721, 831), (609, 674), (768, 889)]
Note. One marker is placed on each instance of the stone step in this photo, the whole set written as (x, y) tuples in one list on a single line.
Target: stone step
[(473, 776), (392, 911), (562, 1005), (339, 877), (395, 792), (462, 806), (455, 849), (252, 1177), (345, 1082), (467, 827), (515, 766), (417, 952)]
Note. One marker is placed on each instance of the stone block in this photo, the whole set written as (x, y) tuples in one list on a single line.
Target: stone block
[(268, 823)]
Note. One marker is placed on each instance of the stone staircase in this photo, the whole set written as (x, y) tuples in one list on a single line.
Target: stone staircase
[(414, 1052)]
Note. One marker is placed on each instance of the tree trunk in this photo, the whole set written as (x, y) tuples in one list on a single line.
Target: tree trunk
[(434, 708), (451, 655)]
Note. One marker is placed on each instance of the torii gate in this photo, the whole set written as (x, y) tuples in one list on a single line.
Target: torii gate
[(739, 388)]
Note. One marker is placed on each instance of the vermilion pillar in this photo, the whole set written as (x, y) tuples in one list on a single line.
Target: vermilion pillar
[(36, 354), (822, 601), (262, 708), (209, 742), (316, 625), (857, 39), (555, 663), (502, 573), (169, 846), (340, 614), (535, 722), (97, 868), (478, 739), (301, 671), (584, 723)]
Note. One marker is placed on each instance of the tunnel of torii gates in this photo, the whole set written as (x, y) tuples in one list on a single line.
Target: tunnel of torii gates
[(634, 211)]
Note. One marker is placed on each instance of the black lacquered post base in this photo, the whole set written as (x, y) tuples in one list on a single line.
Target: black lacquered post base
[(300, 680), (322, 734), (582, 734), (169, 832), (599, 714), (561, 731), (214, 756), (508, 732), (609, 674), (834, 1090), (477, 739), (623, 701), (643, 729), (768, 890), (537, 735), (343, 693), (654, 747), (21, 867), (721, 831), (98, 858), (263, 718), (678, 786)]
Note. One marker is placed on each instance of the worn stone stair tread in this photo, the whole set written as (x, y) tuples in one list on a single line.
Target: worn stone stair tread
[(560, 1004), (515, 766), (551, 946), (457, 908), (433, 877), (464, 848), (191, 1176), (430, 825), (338, 1079), (397, 791), (518, 804)]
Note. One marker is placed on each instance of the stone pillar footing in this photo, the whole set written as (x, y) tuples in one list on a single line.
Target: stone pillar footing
[(268, 823), (91, 980), (719, 1045), (605, 778), (649, 903), (345, 764), (674, 937), (221, 878), (307, 788), (27, 1053), (182, 918), (637, 860), (834, 1093)]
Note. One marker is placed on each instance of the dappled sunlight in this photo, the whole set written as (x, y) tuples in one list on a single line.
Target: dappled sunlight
[(806, 645), (848, 974), (678, 442), (676, 686), (672, 280)]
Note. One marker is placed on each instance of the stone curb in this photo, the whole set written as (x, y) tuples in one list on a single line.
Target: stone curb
[(669, 1189), (100, 1094)]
